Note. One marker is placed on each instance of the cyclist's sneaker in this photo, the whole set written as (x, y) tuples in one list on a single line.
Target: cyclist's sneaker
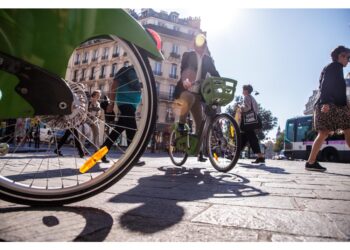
[(202, 159), (58, 152), (259, 160), (181, 128), (314, 167)]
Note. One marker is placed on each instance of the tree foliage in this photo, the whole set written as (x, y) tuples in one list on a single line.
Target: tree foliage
[(279, 143)]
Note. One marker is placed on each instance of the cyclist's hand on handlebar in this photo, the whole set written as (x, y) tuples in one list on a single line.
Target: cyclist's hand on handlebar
[(187, 84)]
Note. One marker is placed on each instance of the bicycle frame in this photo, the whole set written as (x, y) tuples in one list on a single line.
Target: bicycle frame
[(36, 44), (209, 113)]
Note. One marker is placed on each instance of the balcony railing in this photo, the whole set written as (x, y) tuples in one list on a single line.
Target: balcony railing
[(165, 96), (104, 57), (111, 75), (173, 76), (94, 59), (157, 73), (102, 76), (84, 61), (82, 79), (92, 78), (76, 62), (115, 55), (74, 79), (175, 55)]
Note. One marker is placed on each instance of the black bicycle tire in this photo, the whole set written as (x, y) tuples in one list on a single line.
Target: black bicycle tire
[(236, 157), (47, 200), (171, 157)]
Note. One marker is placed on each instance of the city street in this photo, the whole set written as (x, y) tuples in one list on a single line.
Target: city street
[(278, 201)]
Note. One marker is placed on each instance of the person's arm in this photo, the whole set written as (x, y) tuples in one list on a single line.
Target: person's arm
[(327, 84), (247, 104)]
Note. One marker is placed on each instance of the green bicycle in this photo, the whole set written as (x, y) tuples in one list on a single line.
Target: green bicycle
[(219, 134), (35, 48)]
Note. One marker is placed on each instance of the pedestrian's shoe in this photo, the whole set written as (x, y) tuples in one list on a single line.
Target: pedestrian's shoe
[(139, 163), (58, 152), (259, 160), (105, 160), (314, 167)]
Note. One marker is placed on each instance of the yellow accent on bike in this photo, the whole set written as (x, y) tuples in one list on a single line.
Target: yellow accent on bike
[(93, 160), (216, 156), (232, 129)]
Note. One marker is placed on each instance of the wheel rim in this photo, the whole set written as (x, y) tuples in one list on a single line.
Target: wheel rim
[(40, 174), (177, 156), (223, 143)]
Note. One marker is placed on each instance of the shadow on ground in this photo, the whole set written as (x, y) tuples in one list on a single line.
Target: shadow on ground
[(97, 228), (160, 195), (274, 170)]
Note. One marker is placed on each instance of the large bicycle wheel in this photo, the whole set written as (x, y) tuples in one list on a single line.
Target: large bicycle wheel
[(39, 176), (223, 143), (177, 155)]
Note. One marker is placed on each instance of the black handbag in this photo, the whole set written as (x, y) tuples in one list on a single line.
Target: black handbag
[(250, 120)]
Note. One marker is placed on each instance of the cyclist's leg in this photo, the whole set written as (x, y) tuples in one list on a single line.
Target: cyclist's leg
[(186, 100)]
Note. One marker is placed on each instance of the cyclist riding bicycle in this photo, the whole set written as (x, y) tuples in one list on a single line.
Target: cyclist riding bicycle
[(195, 66)]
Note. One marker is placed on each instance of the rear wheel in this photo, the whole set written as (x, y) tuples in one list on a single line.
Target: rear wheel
[(223, 143), (41, 176), (178, 156)]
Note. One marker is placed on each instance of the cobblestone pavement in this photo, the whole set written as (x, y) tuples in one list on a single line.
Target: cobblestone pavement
[(278, 201)]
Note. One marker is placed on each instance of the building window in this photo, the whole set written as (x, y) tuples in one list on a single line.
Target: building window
[(105, 53), (95, 55), (75, 75), (158, 69), (82, 75), (175, 51), (77, 59), (171, 92), (86, 57), (92, 75), (103, 69), (116, 51), (173, 71), (169, 115), (113, 70)]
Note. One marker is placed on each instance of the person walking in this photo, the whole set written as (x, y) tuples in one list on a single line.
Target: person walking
[(126, 93), (195, 66), (331, 111), (248, 134), (64, 138)]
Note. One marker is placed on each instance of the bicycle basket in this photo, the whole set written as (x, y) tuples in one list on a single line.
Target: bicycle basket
[(218, 90)]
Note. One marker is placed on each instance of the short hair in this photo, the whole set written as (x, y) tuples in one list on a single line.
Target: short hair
[(248, 87), (337, 51), (96, 92)]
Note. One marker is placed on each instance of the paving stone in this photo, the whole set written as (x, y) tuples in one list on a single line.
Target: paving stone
[(275, 220)]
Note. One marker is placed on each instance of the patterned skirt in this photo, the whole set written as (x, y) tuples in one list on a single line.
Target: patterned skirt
[(336, 118)]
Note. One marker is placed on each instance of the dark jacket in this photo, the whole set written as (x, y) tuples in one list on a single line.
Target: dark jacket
[(332, 85), (189, 61)]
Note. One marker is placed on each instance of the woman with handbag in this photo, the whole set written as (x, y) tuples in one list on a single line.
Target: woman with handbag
[(250, 121)]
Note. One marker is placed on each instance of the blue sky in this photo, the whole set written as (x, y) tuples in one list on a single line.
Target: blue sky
[(281, 52)]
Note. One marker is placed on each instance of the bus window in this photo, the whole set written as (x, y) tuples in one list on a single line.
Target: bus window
[(290, 131), (303, 130)]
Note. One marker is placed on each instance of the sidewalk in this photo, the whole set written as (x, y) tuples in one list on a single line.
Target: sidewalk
[(160, 202)]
